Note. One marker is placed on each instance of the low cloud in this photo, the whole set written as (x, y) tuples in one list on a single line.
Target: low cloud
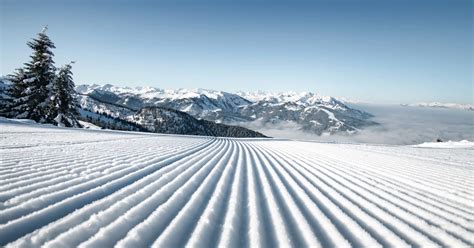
[(398, 126)]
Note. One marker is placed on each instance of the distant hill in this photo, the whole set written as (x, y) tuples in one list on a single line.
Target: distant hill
[(442, 105)]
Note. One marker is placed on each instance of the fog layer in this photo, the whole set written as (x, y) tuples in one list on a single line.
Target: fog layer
[(399, 125)]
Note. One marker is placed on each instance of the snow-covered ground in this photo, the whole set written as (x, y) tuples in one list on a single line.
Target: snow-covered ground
[(94, 188), (449, 144)]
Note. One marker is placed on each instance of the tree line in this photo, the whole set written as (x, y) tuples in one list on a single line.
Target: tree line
[(40, 91)]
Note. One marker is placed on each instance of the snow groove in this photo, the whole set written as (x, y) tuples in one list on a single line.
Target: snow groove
[(102, 189)]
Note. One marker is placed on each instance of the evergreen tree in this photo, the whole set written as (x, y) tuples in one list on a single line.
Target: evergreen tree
[(39, 76), (15, 101), (63, 100)]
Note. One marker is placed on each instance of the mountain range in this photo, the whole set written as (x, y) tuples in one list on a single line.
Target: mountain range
[(459, 106), (309, 112), (155, 119)]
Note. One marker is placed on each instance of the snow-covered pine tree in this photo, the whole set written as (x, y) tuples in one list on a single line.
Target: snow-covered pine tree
[(63, 101), (14, 102), (39, 75)]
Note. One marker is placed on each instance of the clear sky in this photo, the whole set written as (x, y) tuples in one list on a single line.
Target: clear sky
[(385, 51)]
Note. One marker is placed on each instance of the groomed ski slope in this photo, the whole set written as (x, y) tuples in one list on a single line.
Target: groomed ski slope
[(92, 188)]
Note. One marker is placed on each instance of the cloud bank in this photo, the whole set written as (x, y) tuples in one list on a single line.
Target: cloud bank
[(398, 126)]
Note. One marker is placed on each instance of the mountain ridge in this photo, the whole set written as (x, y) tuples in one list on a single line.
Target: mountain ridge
[(459, 106), (161, 120), (311, 112)]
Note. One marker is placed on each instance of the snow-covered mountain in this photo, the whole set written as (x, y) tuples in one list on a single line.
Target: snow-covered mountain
[(311, 112), (97, 110), (162, 120), (197, 102), (442, 105)]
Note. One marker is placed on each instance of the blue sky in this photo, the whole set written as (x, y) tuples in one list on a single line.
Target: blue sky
[(384, 51)]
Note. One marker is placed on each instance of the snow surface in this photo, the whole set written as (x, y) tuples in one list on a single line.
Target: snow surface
[(64, 187), (448, 144), (89, 125)]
